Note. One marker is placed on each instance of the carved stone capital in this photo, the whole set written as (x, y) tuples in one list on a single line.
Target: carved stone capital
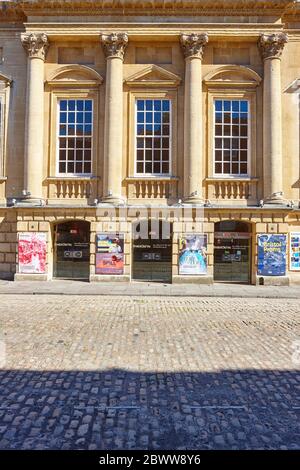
[(114, 45), (271, 45), (35, 44), (193, 44)]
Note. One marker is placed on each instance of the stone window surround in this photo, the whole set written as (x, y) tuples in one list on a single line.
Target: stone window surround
[(231, 94), (150, 94), (234, 175), (66, 173), (60, 94), (169, 149)]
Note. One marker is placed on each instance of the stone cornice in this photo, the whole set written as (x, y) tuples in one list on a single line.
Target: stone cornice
[(144, 7)]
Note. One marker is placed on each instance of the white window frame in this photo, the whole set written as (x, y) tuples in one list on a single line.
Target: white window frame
[(230, 175), (153, 175), (73, 175)]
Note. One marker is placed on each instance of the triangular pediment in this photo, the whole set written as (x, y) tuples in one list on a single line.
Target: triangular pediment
[(153, 75)]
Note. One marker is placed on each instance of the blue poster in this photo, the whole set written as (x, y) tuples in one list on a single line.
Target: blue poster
[(193, 254), (272, 255)]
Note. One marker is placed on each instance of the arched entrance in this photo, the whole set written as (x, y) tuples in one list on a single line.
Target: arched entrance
[(72, 250), (152, 251), (232, 252)]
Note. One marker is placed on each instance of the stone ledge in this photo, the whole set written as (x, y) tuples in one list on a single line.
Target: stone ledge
[(31, 277), (273, 280), (207, 279), (109, 278)]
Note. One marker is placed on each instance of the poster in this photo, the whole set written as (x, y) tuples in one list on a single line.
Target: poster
[(32, 249), (295, 251), (109, 253), (193, 254), (272, 255)]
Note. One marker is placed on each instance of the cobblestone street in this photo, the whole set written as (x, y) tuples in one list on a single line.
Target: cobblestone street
[(94, 372)]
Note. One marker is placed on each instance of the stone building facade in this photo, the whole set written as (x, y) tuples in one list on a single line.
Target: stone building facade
[(179, 119)]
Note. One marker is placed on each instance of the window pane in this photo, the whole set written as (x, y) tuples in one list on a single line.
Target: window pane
[(63, 105), (140, 105), (219, 105), (218, 130), (235, 168), (75, 135), (156, 167), (166, 105), (155, 122), (140, 117), (140, 155), (140, 168), (165, 168), (244, 169), (157, 155), (165, 155), (231, 138), (218, 118), (62, 167), (218, 168), (148, 167), (157, 105)]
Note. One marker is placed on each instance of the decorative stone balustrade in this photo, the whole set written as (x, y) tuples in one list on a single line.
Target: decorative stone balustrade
[(229, 189), (152, 188)]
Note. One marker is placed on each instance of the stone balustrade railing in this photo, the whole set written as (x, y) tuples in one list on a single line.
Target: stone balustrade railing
[(152, 188), (232, 189), (66, 189)]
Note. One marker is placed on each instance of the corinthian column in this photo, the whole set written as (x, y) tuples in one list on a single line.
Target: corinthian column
[(193, 49), (114, 46), (36, 45), (271, 48)]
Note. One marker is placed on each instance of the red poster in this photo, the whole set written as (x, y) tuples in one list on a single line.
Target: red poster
[(32, 253)]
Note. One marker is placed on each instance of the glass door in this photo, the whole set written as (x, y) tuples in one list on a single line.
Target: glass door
[(152, 258), (232, 258), (72, 250)]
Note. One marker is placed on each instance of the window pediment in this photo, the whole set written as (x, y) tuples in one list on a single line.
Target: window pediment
[(153, 76), (75, 75), (233, 76)]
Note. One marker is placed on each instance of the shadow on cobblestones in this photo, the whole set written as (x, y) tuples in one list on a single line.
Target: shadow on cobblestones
[(118, 409)]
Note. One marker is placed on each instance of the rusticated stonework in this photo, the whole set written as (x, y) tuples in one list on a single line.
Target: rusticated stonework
[(272, 45), (35, 44), (193, 44), (114, 45)]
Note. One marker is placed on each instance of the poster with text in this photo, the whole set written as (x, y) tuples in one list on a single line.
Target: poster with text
[(193, 254), (295, 251), (272, 255), (109, 253), (32, 249)]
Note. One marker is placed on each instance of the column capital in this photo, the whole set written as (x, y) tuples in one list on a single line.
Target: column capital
[(35, 44), (193, 44), (114, 44), (271, 45)]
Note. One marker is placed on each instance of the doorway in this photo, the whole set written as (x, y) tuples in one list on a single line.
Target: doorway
[(72, 250), (152, 253), (232, 252)]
